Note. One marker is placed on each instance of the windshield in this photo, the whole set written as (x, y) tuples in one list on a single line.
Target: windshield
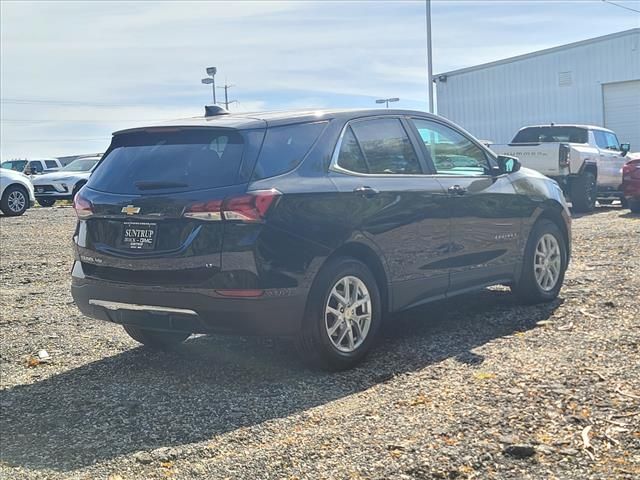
[(552, 134), (170, 160), (83, 165), (17, 165)]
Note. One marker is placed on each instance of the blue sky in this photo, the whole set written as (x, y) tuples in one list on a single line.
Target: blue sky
[(73, 72)]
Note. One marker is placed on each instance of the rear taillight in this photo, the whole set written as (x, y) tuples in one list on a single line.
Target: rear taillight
[(211, 210), (82, 206), (631, 171), (251, 207), (565, 155), (240, 293)]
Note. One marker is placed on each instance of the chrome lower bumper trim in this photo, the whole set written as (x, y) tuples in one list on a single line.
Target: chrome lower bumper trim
[(141, 308)]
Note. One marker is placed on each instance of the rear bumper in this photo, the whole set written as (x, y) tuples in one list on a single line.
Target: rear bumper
[(277, 312), (631, 189), (54, 196)]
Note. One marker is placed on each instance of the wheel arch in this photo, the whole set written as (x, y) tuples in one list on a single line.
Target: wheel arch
[(554, 215), (367, 255), (589, 167), (16, 184)]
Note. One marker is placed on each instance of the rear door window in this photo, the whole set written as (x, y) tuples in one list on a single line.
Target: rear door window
[(36, 166), (51, 164), (552, 134), (159, 161), (386, 147), (285, 147)]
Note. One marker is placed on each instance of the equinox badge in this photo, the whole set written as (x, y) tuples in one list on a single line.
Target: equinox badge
[(130, 210)]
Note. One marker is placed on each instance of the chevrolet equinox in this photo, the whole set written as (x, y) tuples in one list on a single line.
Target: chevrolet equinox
[(311, 225)]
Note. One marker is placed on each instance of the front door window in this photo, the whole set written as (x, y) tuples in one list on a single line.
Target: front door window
[(451, 152)]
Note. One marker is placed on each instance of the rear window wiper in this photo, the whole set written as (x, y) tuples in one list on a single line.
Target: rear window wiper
[(159, 185)]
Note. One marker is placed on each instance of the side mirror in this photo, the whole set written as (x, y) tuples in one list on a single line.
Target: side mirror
[(624, 148), (508, 164)]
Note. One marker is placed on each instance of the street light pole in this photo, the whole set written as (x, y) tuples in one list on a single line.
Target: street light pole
[(429, 55), (211, 71), (387, 100)]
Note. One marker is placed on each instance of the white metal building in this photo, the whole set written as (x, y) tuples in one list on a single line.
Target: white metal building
[(595, 82)]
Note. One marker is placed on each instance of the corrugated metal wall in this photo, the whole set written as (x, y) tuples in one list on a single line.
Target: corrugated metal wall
[(562, 86)]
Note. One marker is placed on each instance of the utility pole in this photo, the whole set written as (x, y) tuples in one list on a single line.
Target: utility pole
[(226, 88), (429, 55)]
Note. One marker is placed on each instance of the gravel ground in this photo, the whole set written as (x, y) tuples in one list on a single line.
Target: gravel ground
[(478, 387)]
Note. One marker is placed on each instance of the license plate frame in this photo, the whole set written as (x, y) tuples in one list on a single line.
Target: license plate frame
[(139, 235)]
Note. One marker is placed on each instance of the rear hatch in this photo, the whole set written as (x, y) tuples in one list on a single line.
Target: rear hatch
[(151, 210)]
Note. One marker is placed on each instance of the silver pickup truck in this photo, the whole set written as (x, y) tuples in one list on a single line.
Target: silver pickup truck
[(585, 160)]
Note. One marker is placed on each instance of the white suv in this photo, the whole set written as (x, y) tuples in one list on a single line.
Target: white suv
[(16, 192), (65, 183)]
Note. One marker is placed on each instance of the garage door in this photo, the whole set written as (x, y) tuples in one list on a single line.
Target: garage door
[(622, 111)]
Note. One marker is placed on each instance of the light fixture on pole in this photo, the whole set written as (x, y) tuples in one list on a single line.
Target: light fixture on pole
[(211, 80), (387, 100)]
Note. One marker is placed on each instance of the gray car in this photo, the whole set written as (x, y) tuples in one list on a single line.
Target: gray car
[(65, 183)]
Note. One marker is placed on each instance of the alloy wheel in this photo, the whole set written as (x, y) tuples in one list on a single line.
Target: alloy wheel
[(348, 314), (16, 201), (547, 262)]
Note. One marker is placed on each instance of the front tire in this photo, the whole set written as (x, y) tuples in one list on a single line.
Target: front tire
[(46, 202), (156, 339), (343, 316), (544, 264), (583, 192), (14, 201)]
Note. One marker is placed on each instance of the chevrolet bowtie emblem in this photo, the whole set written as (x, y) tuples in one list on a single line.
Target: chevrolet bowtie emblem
[(130, 210)]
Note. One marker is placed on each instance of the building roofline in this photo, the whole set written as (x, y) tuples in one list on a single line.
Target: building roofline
[(537, 53)]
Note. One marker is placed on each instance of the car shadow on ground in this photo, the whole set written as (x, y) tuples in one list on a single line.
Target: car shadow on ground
[(599, 209), (629, 214), (137, 400)]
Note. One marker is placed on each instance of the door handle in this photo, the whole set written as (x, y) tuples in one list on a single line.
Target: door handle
[(456, 190), (366, 191)]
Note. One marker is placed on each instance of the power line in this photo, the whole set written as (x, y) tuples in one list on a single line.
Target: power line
[(40, 140), (70, 103), (621, 6), (52, 120)]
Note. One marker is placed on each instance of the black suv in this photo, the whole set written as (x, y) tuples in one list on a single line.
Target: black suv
[(312, 225)]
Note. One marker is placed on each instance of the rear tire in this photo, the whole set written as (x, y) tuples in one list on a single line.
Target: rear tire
[(14, 201), (337, 335), (46, 202), (583, 192), (634, 205), (546, 251), (156, 339)]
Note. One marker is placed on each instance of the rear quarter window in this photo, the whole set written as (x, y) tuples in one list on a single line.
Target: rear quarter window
[(285, 147)]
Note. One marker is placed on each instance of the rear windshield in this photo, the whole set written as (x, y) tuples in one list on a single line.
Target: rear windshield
[(552, 134), (170, 160)]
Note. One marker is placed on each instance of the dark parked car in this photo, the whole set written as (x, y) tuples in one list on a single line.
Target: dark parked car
[(631, 184), (312, 225)]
